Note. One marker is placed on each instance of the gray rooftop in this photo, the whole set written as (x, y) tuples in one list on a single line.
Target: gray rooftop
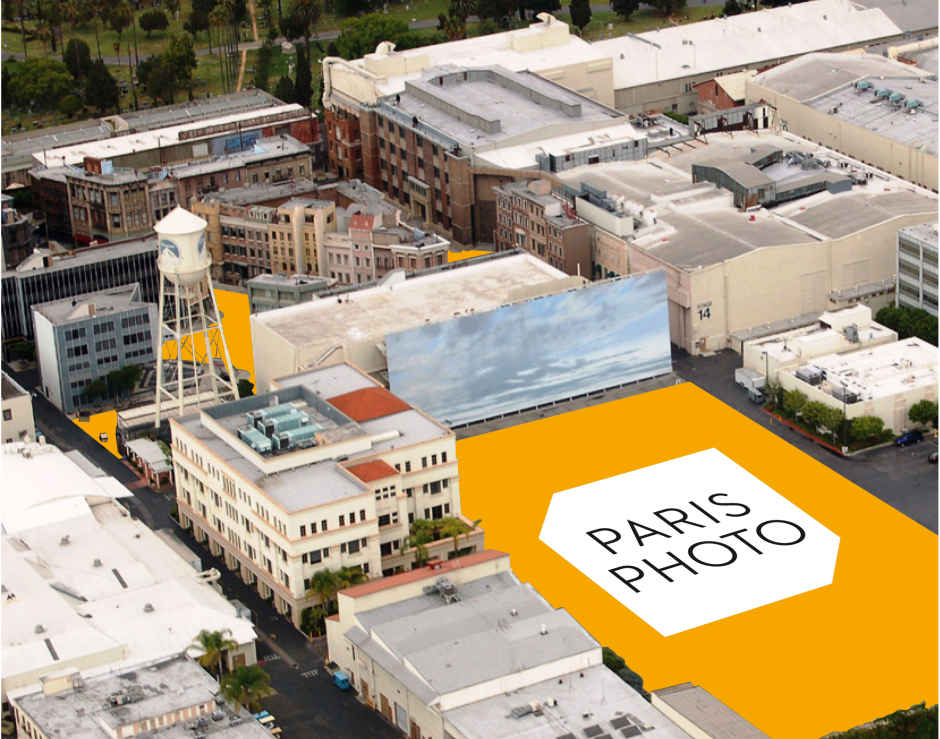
[(857, 211), (159, 688), (704, 234), (826, 82), (476, 639), (18, 148), (92, 255), (109, 302), (306, 203), (925, 232), (262, 192), (908, 15), (488, 106), (269, 148), (594, 697), (280, 280), (704, 710)]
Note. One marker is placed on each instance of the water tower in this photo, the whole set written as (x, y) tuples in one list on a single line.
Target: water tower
[(198, 370)]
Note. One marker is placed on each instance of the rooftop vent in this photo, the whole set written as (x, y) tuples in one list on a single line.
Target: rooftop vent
[(40, 629), (543, 629), (64, 541), (96, 562), (148, 608)]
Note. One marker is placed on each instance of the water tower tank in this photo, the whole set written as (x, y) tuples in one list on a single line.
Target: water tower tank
[(183, 256)]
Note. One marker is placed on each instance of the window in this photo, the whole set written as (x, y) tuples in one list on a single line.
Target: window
[(362, 514), (7, 415), (407, 466), (323, 526), (433, 459), (342, 520), (352, 517), (303, 530), (443, 457), (385, 549), (314, 557), (353, 546), (384, 520), (424, 461)]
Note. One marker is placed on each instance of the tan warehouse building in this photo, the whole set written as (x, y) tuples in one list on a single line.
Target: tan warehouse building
[(734, 275), (874, 109)]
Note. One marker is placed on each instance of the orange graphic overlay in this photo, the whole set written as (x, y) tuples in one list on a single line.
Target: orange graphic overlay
[(825, 660)]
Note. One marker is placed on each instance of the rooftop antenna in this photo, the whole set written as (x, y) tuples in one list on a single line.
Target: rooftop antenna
[(189, 317)]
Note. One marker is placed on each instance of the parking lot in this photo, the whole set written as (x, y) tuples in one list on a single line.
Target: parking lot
[(901, 477)]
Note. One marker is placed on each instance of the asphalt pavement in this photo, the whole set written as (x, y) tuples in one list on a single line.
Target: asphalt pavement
[(901, 477)]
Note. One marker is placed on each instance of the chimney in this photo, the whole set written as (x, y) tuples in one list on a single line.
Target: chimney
[(91, 309)]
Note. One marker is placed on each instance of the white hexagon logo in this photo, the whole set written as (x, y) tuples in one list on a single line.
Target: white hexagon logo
[(690, 541)]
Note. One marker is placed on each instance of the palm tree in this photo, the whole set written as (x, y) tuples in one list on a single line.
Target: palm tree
[(214, 645), (247, 685), (325, 584), (349, 576)]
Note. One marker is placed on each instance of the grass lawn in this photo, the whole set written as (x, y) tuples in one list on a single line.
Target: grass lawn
[(607, 24)]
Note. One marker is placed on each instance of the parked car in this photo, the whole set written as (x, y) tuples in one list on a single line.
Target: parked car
[(340, 677), (932, 458), (908, 438)]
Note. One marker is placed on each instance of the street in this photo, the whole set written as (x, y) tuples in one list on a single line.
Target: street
[(901, 477)]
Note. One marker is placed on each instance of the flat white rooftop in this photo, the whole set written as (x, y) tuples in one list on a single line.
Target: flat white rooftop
[(539, 47), (154, 689), (523, 156), (367, 316), (144, 141), (741, 40), (584, 699), (882, 371), (78, 572)]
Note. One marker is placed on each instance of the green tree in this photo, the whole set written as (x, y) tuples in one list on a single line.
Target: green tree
[(612, 660), (302, 79), (70, 105), (284, 90), (158, 78), (246, 685), (625, 8), (77, 58), (497, 11), (312, 620), (153, 20), (172, 7), (38, 83), (245, 388), (101, 89), (667, 7), (181, 57), (793, 401), (96, 388), (815, 414), (580, 13), (731, 8), (909, 322), (454, 22), (325, 583), (923, 412), (213, 646), (361, 36), (866, 427)]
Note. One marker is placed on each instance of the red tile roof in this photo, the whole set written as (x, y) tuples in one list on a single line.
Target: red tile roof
[(404, 578), (361, 222), (369, 471), (368, 403)]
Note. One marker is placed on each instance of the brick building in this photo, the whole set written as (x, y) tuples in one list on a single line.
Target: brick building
[(529, 217)]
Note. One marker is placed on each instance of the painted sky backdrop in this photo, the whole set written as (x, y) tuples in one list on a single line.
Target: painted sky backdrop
[(519, 356)]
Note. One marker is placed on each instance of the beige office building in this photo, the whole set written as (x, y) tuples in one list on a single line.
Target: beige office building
[(326, 471), (17, 404)]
